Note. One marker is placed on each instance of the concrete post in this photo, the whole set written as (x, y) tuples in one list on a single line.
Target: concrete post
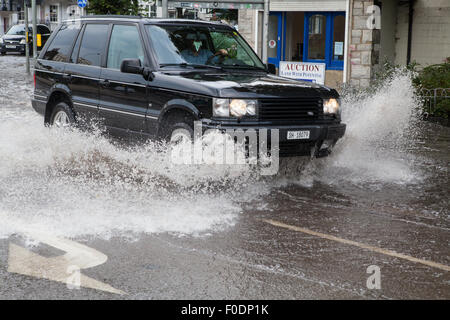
[(265, 30)]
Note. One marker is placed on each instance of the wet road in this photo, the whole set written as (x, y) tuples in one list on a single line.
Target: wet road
[(310, 232)]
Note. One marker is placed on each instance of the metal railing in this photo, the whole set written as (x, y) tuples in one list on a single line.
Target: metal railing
[(432, 97)]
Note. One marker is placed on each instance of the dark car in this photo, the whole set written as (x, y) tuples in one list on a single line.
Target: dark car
[(14, 40), (155, 77)]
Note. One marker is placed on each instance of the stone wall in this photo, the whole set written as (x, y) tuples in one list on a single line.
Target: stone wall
[(246, 25), (364, 43)]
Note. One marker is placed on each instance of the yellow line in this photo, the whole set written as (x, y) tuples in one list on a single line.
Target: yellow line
[(358, 244)]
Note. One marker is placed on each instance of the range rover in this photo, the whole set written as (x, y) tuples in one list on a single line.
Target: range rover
[(156, 77)]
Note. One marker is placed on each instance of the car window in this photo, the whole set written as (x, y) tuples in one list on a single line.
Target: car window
[(93, 44), (76, 48), (42, 30), (61, 45), (201, 45), (125, 43)]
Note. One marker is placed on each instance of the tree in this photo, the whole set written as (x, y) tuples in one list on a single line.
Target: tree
[(122, 7)]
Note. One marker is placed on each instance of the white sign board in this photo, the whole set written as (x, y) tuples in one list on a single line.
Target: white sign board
[(309, 71)]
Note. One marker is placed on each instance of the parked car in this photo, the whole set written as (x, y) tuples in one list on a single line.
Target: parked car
[(14, 40), (155, 77)]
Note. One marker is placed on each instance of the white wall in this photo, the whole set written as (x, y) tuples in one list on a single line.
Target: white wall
[(430, 32), (388, 25)]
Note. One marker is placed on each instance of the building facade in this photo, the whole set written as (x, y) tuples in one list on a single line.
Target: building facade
[(352, 37), (49, 12)]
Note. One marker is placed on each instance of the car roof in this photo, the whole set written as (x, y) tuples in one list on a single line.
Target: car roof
[(145, 20), (30, 24)]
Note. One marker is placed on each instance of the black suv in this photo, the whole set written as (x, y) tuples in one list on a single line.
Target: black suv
[(14, 39), (155, 77)]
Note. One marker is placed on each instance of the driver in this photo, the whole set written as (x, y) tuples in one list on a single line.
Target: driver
[(195, 54)]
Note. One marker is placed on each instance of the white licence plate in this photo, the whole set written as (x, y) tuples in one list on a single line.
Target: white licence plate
[(10, 47), (295, 135)]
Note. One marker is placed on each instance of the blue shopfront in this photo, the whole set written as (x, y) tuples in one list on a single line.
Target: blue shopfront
[(307, 37)]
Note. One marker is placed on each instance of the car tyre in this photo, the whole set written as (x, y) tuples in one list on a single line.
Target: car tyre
[(181, 132), (62, 116)]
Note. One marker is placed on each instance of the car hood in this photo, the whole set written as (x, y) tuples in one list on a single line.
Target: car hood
[(13, 37), (245, 85)]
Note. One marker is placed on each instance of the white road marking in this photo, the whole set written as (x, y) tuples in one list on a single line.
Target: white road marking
[(23, 261), (358, 244)]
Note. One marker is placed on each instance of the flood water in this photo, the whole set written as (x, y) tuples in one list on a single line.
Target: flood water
[(75, 184)]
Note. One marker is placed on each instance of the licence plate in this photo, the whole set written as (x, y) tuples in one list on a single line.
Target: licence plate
[(10, 47), (295, 135)]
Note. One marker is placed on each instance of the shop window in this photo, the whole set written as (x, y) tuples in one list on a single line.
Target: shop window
[(317, 37), (324, 35), (53, 13)]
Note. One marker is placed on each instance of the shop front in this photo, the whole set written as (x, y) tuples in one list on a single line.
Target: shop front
[(305, 41)]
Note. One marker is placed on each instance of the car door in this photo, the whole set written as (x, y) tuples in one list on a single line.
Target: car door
[(123, 96), (44, 31), (83, 73)]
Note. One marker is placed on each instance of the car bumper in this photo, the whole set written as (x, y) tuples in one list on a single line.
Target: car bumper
[(322, 137), (39, 104), (12, 48)]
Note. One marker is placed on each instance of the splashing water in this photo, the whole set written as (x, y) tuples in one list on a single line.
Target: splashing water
[(380, 128), (73, 184)]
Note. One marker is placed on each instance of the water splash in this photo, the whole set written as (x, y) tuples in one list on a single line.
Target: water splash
[(380, 128), (73, 184)]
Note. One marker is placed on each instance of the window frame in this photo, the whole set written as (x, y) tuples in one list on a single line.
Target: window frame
[(50, 41), (108, 42), (50, 12), (83, 30), (330, 63)]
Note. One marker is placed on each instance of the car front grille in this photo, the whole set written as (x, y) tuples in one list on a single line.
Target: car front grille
[(11, 42), (295, 109)]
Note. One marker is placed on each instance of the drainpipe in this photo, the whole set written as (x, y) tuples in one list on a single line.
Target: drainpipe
[(410, 25), (265, 30), (346, 43), (165, 9)]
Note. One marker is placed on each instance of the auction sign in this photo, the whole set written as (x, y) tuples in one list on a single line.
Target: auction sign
[(309, 71)]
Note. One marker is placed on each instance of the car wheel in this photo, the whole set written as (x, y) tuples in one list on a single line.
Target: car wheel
[(3, 53), (62, 116), (181, 133)]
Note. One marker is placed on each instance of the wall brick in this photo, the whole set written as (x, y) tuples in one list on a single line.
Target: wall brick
[(356, 40), (356, 33), (360, 22), (360, 72), (364, 83), (358, 12), (357, 4), (366, 36), (365, 57), (364, 47)]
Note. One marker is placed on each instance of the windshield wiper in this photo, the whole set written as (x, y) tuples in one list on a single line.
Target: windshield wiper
[(243, 66), (184, 65)]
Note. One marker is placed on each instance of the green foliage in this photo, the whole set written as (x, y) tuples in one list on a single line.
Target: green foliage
[(114, 7), (443, 109), (430, 77), (434, 76), (224, 14)]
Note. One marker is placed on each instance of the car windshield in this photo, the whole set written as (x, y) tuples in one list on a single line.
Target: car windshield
[(200, 46), (18, 30)]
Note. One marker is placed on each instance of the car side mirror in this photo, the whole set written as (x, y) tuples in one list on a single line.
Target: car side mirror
[(271, 68), (131, 66)]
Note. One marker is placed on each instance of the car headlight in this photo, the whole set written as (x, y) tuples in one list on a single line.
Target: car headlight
[(23, 41), (1, 40), (234, 107), (330, 106)]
